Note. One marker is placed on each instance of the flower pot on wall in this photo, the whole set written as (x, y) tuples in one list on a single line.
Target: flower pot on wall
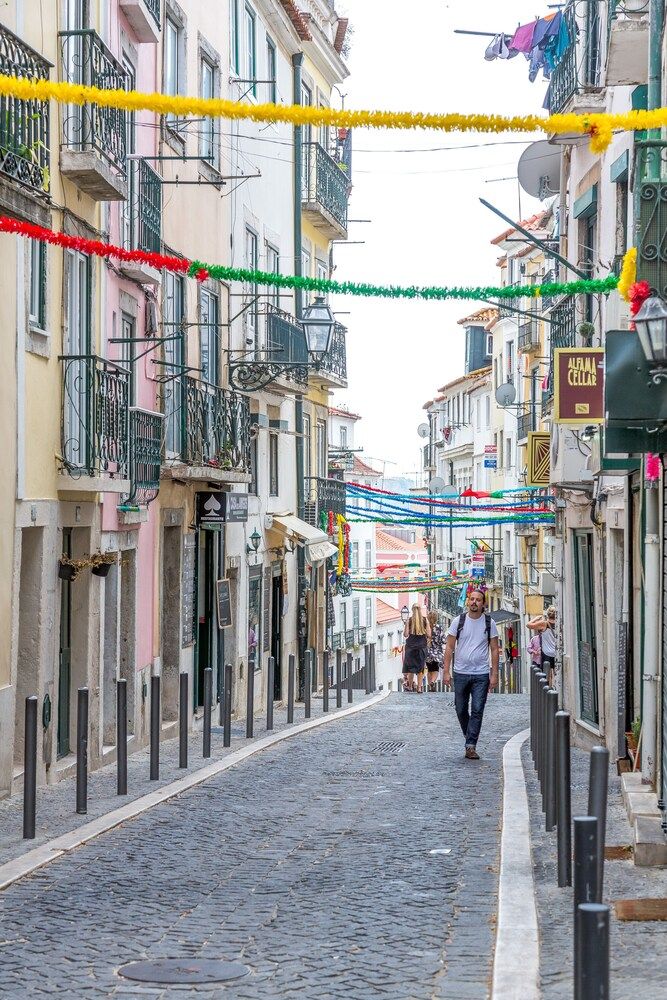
[(102, 569), (66, 571)]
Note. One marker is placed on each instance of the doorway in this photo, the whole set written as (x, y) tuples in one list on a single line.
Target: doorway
[(171, 621), (110, 657), (65, 654), (585, 622), (276, 635), (205, 611), (27, 668)]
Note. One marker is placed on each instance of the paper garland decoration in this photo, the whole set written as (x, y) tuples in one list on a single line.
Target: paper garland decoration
[(599, 126)]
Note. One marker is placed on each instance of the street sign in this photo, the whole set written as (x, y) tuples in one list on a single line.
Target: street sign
[(490, 463), (490, 449), (217, 508), (224, 603)]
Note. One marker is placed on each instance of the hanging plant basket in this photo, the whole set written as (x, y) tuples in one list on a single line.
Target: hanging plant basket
[(101, 562), (101, 570), (67, 571)]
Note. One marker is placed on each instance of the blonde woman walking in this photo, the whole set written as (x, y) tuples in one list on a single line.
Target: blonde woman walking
[(417, 634)]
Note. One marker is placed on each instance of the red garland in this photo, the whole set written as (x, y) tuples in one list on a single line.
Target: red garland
[(639, 292), (330, 524)]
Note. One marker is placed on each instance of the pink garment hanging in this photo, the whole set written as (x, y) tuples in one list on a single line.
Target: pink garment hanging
[(523, 37)]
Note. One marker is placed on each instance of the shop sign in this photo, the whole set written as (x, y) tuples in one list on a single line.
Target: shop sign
[(215, 508), (539, 458), (490, 456), (579, 385)]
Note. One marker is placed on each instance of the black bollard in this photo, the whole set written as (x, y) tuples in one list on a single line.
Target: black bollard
[(227, 707), (290, 688), (585, 878), (593, 958), (373, 677), (563, 799), (533, 673), (550, 804), (308, 682), (183, 721), (121, 737), (400, 685), (325, 680), (350, 675), (597, 805), (250, 703), (542, 716), (339, 678), (313, 678), (82, 751), (155, 729), (30, 768), (208, 707), (270, 682), (367, 669)]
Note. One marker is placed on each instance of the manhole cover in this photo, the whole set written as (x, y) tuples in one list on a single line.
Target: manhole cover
[(388, 746), (184, 971)]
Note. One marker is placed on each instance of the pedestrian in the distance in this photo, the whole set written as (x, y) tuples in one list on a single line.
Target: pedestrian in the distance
[(472, 642), (435, 650), (545, 626), (417, 634)]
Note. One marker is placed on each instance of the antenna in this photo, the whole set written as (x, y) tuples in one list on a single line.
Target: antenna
[(505, 394), (423, 430), (539, 170)]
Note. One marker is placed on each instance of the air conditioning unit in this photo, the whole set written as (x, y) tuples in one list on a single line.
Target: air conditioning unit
[(547, 585), (569, 458)]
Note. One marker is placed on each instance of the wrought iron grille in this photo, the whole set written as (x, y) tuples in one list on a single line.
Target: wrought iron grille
[(548, 300), (529, 334), (146, 437), (149, 209), (564, 323), (154, 10), (503, 311), (448, 600), (579, 67), (508, 581), (322, 496), (651, 195), (490, 566), (525, 423), (95, 420), (217, 427), (334, 363), (325, 182), (86, 60), (285, 356), (24, 125)]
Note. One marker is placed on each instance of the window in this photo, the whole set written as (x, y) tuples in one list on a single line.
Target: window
[(390, 640), (488, 411), (500, 452), (208, 336), (128, 331), (250, 68), (234, 39), (321, 449), (508, 453), (255, 617), (509, 360), (354, 562), (173, 312), (621, 217), (380, 644), (367, 555), (174, 63), (489, 344), (305, 264), (322, 272), (369, 612), (273, 267), (271, 71), (532, 564), (273, 464), (343, 437), (253, 486), (208, 138), (307, 453), (355, 613), (478, 414), (252, 263), (343, 617), (77, 398), (37, 307)]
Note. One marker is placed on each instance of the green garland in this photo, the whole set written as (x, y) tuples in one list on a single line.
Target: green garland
[(220, 272)]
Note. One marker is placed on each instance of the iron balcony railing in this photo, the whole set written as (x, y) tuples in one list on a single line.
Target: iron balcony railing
[(562, 330), (547, 300), (86, 61), (216, 426), (142, 212), (325, 182), (146, 441), (285, 339), (24, 125), (335, 361), (650, 194), (503, 311), (490, 566), (508, 581), (448, 600), (525, 422), (154, 10), (579, 66), (322, 496), (529, 334), (95, 418)]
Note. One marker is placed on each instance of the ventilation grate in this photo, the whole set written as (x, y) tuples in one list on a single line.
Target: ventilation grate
[(388, 747)]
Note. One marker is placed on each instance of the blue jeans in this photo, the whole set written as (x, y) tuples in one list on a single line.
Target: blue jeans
[(467, 687)]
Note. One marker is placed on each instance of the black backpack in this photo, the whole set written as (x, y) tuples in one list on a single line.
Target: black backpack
[(462, 621)]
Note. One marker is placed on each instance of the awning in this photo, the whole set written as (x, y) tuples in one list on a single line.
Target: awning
[(319, 551), (290, 524), (502, 617)]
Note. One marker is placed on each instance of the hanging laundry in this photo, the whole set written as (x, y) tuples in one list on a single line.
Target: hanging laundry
[(522, 40), (544, 28), (499, 48), (558, 41)]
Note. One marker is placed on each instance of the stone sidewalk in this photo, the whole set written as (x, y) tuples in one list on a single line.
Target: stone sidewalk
[(638, 949), (357, 860)]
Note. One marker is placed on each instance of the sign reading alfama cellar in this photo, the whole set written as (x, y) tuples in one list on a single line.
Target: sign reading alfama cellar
[(579, 385)]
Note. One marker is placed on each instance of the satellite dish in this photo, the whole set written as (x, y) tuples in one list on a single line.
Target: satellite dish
[(437, 485), (505, 394), (423, 430), (539, 170)]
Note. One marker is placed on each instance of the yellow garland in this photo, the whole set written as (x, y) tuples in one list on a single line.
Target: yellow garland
[(341, 544), (599, 126), (628, 273)]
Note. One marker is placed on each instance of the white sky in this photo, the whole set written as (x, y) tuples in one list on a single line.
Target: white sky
[(427, 225)]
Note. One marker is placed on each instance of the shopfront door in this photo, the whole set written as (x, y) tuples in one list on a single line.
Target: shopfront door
[(585, 621)]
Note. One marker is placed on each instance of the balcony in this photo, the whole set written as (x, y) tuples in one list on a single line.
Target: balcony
[(322, 496), (529, 335), (333, 370), (146, 441), (207, 432), (325, 191), (525, 423), (448, 600), (143, 16), (490, 567), (650, 195), (503, 311), (95, 425), (141, 221), (509, 585), (93, 154), (627, 49), (575, 81), (24, 136)]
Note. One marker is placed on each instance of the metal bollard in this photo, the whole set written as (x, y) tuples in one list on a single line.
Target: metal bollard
[(543, 688), (563, 799), (597, 805), (550, 810), (30, 768), (533, 682), (155, 729), (82, 751), (227, 707), (290, 688), (250, 703), (593, 948), (208, 706), (585, 877), (325, 680), (350, 677), (270, 683), (372, 665), (400, 685), (121, 737), (308, 683), (183, 720), (367, 669), (339, 678), (313, 678)]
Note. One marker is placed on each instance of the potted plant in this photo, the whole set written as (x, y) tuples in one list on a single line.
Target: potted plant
[(632, 737), (69, 569), (101, 562), (586, 331)]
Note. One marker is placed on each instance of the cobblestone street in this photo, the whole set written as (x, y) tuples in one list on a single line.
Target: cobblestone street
[(328, 868)]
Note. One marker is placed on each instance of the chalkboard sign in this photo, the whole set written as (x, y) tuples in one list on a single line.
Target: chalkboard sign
[(266, 637), (622, 674), (189, 589), (224, 603), (586, 682)]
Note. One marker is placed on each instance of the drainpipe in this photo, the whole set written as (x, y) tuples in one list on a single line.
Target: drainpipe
[(302, 619)]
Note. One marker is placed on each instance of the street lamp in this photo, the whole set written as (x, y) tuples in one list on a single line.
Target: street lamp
[(405, 614), (255, 539), (318, 325), (651, 325)]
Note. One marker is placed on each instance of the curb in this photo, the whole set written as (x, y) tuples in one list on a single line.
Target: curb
[(27, 863), (516, 973)]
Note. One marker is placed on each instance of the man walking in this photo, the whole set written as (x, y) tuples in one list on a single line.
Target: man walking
[(475, 636)]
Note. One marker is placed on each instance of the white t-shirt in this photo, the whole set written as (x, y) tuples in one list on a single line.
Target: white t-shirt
[(548, 643), (471, 654)]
